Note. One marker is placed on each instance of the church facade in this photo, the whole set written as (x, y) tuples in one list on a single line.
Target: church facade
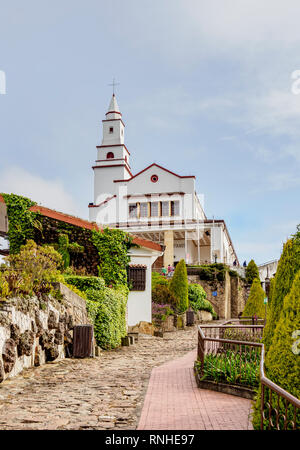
[(155, 204)]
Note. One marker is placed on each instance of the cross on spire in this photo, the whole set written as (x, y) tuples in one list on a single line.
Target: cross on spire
[(113, 84)]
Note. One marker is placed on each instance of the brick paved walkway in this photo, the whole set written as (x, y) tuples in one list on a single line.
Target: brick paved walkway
[(174, 402)]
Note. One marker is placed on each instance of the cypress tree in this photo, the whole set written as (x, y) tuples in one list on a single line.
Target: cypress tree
[(282, 364), (251, 272), (255, 302), (179, 286), (288, 266), (282, 361)]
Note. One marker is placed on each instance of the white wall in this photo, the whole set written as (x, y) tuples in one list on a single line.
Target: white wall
[(139, 306)]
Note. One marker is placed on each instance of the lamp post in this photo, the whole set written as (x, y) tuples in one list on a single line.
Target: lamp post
[(267, 290)]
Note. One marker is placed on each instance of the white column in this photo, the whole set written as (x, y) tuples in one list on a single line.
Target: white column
[(198, 242)]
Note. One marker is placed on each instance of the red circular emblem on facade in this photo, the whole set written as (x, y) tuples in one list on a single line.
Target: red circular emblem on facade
[(154, 178)]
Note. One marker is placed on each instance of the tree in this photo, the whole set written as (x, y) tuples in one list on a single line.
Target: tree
[(282, 360), (288, 266), (282, 364), (179, 287), (251, 272), (161, 294), (255, 302)]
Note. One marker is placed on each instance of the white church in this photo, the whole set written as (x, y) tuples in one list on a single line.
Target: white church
[(155, 204)]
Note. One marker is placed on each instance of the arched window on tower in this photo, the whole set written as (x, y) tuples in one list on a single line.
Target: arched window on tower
[(110, 155)]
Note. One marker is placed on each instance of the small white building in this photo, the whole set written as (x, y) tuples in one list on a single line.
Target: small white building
[(156, 203), (267, 271), (139, 307)]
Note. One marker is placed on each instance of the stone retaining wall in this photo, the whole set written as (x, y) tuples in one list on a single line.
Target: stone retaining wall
[(231, 295), (34, 331)]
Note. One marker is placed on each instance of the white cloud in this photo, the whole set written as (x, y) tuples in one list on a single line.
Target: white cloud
[(50, 193)]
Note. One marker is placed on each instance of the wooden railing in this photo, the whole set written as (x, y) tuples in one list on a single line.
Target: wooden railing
[(233, 353)]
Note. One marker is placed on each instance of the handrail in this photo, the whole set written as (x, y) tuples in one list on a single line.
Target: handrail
[(264, 380), (231, 341), (267, 382)]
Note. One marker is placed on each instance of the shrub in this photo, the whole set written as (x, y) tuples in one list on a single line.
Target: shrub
[(31, 271), (251, 272), (160, 312), (196, 296), (106, 308), (162, 295), (157, 278), (255, 303), (288, 266), (179, 287), (110, 321), (198, 301)]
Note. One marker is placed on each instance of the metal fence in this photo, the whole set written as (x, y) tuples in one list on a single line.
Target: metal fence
[(233, 353)]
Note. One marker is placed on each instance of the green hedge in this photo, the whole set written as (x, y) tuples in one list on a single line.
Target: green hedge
[(85, 283), (209, 272), (106, 308)]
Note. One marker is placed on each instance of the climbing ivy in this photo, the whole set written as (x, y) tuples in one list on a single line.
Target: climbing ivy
[(106, 308), (64, 247), (22, 221), (112, 246)]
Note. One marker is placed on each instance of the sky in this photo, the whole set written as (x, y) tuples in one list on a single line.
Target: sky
[(207, 88)]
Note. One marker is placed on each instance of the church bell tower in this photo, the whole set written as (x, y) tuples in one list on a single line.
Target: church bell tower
[(112, 156)]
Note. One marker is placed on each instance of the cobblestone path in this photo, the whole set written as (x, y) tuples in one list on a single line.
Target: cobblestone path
[(174, 402), (98, 393)]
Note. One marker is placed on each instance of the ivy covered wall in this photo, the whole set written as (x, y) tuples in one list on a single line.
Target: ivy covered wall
[(94, 252)]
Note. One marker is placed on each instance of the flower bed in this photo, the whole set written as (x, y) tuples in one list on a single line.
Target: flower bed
[(232, 368)]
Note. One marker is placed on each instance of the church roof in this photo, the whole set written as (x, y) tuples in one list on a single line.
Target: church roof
[(160, 167)]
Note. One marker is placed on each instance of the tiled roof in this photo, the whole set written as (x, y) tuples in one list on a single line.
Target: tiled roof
[(53, 214)]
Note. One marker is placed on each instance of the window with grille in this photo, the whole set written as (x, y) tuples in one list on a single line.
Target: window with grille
[(133, 210), (154, 209), (175, 208), (137, 278), (165, 209), (143, 209)]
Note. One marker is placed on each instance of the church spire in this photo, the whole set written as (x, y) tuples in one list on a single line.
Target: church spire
[(113, 106), (113, 109)]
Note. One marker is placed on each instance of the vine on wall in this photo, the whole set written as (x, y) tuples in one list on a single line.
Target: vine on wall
[(112, 246), (21, 221)]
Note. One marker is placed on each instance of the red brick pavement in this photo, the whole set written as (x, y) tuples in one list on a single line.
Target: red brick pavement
[(174, 402)]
